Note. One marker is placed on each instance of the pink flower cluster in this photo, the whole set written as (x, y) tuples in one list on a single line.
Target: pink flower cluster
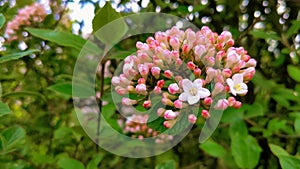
[(27, 16), (135, 126), (185, 68)]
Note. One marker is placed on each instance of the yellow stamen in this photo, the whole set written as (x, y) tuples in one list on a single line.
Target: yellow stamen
[(193, 91), (238, 87)]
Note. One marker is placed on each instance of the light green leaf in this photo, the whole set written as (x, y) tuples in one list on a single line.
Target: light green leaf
[(170, 164), (297, 125), (264, 35), (108, 25), (95, 161), (2, 20), (293, 29), (286, 160), (4, 109), (276, 150), (294, 72), (15, 56), (245, 151), (69, 163), (253, 110), (25, 94), (212, 148)]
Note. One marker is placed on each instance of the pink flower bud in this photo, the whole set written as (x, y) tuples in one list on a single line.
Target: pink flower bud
[(192, 118), (155, 72), (178, 62), (120, 90), (130, 89), (211, 74), (205, 114), (246, 58), (170, 115), (143, 69), (168, 74), (147, 104), (222, 104), (157, 90), (175, 54), (218, 89), (141, 81), (199, 50), (174, 42), (230, 42), (173, 88), (251, 63), (167, 101), (178, 78), (167, 124), (178, 104), (140, 137), (160, 83), (197, 72), (115, 80), (231, 101), (123, 79), (128, 102), (191, 65), (226, 73), (237, 105), (160, 112), (141, 89), (208, 101), (191, 36), (185, 49), (248, 73)]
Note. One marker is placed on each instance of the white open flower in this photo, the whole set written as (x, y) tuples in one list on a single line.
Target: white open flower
[(236, 85), (193, 91)]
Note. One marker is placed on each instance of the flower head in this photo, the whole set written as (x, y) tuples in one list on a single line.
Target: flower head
[(193, 91), (236, 85)]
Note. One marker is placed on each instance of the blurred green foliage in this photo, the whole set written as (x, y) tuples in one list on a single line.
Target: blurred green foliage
[(39, 127)]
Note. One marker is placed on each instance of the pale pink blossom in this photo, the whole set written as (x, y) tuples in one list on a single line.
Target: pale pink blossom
[(236, 85)]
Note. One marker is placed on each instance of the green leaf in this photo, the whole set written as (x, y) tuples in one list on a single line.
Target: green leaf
[(245, 151), (108, 25), (65, 89), (253, 110), (286, 160), (294, 72), (25, 94), (293, 29), (11, 136), (297, 125), (69, 163), (95, 161), (2, 20), (66, 39), (276, 150), (239, 127), (15, 56), (170, 164), (264, 35), (212, 148), (4, 109)]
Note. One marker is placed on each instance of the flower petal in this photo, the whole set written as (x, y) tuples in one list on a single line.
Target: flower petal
[(232, 90), (198, 82), (186, 84), (193, 99), (237, 78), (229, 82), (183, 96), (203, 92)]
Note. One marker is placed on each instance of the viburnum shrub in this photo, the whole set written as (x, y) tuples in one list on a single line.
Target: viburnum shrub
[(183, 68)]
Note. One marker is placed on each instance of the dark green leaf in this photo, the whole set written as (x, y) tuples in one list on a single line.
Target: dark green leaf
[(2, 20), (12, 135), (245, 151), (212, 148), (15, 56), (294, 72), (4, 109), (253, 110), (108, 25), (239, 127), (297, 125), (286, 161), (65, 88), (69, 163)]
